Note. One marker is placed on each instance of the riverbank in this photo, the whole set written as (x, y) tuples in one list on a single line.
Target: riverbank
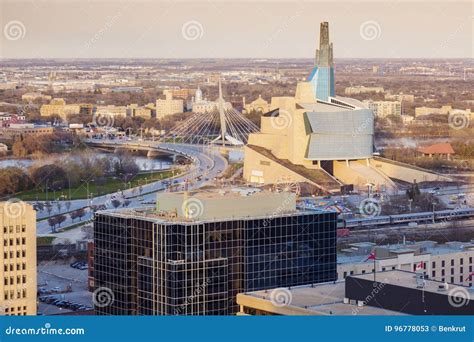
[(111, 185)]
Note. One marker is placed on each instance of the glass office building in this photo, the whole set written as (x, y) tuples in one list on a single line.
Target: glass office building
[(160, 266)]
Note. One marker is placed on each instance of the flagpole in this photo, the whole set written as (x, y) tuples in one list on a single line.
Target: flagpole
[(375, 271)]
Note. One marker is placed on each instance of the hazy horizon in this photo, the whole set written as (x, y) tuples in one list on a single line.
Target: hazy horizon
[(70, 29)]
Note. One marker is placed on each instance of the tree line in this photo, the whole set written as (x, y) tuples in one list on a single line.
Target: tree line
[(68, 172)]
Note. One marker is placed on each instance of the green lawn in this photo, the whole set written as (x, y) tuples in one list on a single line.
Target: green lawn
[(111, 185)]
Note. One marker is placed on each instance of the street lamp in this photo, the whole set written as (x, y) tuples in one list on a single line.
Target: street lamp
[(87, 181), (434, 204)]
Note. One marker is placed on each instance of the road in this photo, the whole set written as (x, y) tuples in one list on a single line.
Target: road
[(207, 164)]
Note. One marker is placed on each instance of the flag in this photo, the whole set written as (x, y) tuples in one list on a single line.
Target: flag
[(420, 266), (371, 256), (469, 277)]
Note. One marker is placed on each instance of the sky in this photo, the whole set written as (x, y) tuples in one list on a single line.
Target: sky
[(234, 29)]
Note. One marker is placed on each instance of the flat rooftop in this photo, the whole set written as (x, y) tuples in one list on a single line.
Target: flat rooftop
[(217, 205), (315, 299), (358, 252), (409, 280)]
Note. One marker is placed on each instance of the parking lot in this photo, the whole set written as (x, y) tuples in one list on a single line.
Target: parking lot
[(55, 277)]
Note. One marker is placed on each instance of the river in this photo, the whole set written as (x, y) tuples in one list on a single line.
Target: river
[(144, 163)]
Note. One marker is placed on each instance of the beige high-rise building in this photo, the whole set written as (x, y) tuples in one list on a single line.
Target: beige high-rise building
[(168, 106), (58, 107), (18, 260)]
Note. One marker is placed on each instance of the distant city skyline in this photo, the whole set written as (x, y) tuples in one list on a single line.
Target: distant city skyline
[(224, 29)]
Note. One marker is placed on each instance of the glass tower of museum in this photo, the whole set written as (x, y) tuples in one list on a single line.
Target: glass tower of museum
[(322, 75)]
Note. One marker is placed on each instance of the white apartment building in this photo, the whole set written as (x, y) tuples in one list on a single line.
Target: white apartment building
[(385, 108), (111, 110), (451, 262), (400, 97), (362, 90)]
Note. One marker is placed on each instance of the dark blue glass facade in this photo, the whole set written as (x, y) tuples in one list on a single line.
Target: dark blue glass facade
[(198, 268)]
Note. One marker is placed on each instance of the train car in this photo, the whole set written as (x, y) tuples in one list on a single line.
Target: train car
[(425, 217), (458, 213), (367, 221), (414, 217)]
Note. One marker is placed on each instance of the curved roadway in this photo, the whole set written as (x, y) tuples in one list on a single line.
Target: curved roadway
[(207, 164)]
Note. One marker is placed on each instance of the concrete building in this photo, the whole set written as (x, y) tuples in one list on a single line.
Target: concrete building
[(3, 149), (145, 112), (400, 97), (324, 299), (385, 108), (451, 262), (209, 246), (58, 107), (18, 259), (111, 110), (444, 110), (357, 90), (322, 139), (259, 105), (17, 130), (203, 105), (7, 119), (409, 293), (393, 292), (168, 106), (29, 97), (183, 94), (125, 89)]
